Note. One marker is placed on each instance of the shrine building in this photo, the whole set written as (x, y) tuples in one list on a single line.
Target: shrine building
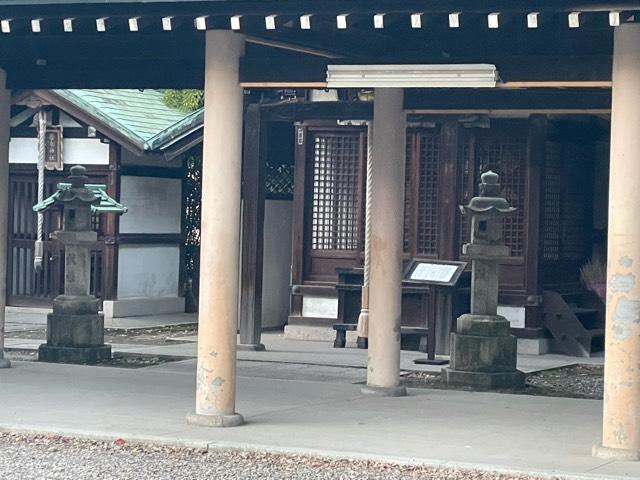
[(399, 106)]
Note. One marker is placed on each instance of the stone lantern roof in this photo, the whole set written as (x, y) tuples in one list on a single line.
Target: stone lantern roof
[(77, 191), (489, 202)]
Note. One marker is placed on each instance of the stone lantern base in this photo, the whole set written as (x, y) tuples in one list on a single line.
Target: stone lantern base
[(483, 354), (75, 332)]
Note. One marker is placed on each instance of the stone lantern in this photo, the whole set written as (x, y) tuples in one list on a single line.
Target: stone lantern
[(483, 351), (75, 328)]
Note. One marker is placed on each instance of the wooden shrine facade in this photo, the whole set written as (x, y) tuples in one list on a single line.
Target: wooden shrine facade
[(547, 167)]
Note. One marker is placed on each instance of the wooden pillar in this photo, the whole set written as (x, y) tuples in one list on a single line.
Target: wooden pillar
[(253, 204), (536, 152), (387, 218), (5, 112), (621, 419), (220, 233), (448, 239), (300, 207), (112, 222)]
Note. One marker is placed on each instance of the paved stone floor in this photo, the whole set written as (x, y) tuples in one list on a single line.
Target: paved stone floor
[(324, 414)]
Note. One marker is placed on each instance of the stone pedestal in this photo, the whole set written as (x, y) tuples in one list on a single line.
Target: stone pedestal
[(483, 354), (483, 351), (75, 332), (75, 329)]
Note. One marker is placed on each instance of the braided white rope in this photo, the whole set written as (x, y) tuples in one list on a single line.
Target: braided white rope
[(363, 318), (42, 127), (367, 208)]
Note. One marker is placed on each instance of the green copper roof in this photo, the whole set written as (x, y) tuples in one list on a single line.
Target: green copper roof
[(141, 116), (106, 205)]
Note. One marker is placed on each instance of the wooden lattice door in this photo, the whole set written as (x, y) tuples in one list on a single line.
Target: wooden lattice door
[(335, 201), (567, 213), (25, 286), (422, 193)]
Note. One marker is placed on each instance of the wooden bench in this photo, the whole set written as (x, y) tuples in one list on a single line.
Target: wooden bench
[(341, 333), (416, 335)]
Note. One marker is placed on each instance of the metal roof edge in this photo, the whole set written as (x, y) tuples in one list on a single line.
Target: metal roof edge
[(177, 131)]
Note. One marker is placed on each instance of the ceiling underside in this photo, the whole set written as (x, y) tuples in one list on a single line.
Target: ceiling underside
[(151, 57)]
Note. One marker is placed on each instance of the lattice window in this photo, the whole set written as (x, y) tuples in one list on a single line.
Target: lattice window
[(408, 195), (336, 192), (427, 234), (279, 180), (566, 203), (575, 225), (467, 190)]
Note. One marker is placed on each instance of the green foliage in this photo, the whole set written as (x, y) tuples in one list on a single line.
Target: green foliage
[(184, 100), (192, 207)]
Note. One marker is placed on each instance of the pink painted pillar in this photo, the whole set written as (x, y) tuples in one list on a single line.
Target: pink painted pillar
[(387, 217), (220, 233), (5, 105), (621, 420)]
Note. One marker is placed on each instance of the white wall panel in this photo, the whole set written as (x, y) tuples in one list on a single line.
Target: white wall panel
[(148, 271), (154, 204), (85, 151)]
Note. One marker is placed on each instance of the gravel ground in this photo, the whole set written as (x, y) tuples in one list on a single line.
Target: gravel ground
[(119, 359), (574, 381), (141, 336), (53, 457)]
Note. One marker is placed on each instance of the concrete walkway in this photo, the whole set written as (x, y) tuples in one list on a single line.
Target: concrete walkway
[(323, 414), (304, 397)]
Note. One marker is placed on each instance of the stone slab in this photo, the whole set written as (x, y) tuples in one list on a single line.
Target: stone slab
[(75, 305), (483, 354), (483, 325), (88, 355), (75, 330), (484, 380), (143, 306), (219, 421)]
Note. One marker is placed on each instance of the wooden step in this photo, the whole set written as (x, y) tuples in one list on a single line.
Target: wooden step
[(575, 328), (584, 311), (596, 332)]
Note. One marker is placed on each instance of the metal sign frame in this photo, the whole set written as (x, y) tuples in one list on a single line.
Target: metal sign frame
[(415, 263)]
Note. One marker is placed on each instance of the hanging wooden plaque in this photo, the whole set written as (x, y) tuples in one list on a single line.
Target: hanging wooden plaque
[(53, 157)]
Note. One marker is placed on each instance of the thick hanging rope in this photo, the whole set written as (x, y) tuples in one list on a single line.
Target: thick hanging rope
[(363, 318), (38, 257)]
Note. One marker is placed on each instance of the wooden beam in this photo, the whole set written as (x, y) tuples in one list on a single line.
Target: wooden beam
[(511, 112), (293, 84), (527, 71), (507, 99), (516, 85), (292, 47), (556, 84), (331, 111)]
